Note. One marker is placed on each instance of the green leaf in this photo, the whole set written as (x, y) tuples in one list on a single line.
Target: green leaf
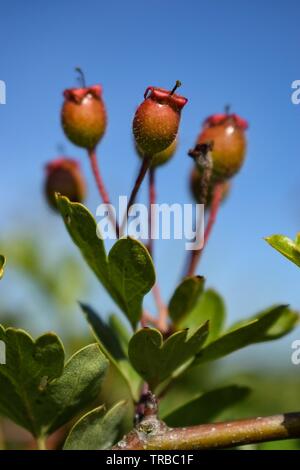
[(287, 247), (210, 307), (82, 228), (2, 264), (96, 430), (253, 331), (206, 407), (185, 297), (28, 365), (132, 273), (127, 273), (120, 331), (103, 332), (155, 359), (78, 386), (36, 391), (111, 345), (285, 323)]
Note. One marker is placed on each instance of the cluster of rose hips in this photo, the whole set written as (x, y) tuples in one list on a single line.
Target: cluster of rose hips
[(218, 154)]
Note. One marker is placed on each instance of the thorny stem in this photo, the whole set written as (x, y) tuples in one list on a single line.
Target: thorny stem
[(215, 205), (101, 187), (212, 436)]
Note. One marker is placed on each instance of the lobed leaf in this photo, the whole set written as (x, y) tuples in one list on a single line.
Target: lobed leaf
[(209, 307), (36, 390), (155, 360), (132, 273), (127, 273)]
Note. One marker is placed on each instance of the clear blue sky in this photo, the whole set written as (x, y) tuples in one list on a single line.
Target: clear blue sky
[(243, 53)]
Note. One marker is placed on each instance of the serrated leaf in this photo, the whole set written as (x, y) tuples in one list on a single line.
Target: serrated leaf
[(36, 391), (96, 430), (155, 360), (111, 346), (206, 407), (254, 331), (2, 264), (210, 307), (127, 273), (185, 297), (287, 247)]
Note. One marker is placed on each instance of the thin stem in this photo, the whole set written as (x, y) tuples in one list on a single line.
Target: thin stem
[(101, 187), (41, 443), (151, 215), (162, 320), (215, 205), (147, 319), (217, 435), (163, 313), (141, 175)]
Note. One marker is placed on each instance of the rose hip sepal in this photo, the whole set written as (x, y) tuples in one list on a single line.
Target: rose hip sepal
[(227, 131), (83, 116), (156, 121), (63, 175)]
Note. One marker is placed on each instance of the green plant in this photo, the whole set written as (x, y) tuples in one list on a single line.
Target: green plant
[(41, 392)]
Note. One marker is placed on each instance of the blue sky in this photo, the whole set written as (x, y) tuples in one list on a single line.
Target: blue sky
[(243, 53)]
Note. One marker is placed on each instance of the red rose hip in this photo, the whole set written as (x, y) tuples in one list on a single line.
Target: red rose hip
[(83, 116), (64, 176), (156, 121), (227, 132)]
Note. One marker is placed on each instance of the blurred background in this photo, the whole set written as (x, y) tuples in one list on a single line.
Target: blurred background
[(242, 53)]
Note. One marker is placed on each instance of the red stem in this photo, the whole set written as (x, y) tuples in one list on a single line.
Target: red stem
[(141, 175), (152, 200), (162, 320), (215, 205), (101, 187)]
